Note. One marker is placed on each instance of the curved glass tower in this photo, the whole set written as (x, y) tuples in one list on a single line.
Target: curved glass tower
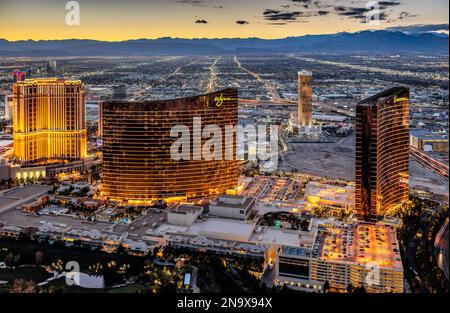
[(382, 153), (137, 162)]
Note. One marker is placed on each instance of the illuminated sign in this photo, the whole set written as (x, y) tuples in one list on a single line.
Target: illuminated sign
[(397, 100), (219, 100)]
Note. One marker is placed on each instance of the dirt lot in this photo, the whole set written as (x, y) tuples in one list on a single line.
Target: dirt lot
[(336, 160)]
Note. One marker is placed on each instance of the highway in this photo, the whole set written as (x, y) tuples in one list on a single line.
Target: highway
[(363, 68), (270, 86), (429, 163), (144, 94), (213, 78)]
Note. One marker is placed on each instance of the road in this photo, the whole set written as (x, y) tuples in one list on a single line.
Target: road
[(270, 86), (213, 78), (144, 93), (362, 68), (429, 163)]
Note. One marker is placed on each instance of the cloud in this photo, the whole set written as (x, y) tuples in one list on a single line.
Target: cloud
[(304, 3), (192, 2), (353, 12), (287, 13), (199, 3), (242, 22), (311, 4), (386, 4), (322, 13), (361, 13), (279, 15), (406, 15), (201, 22)]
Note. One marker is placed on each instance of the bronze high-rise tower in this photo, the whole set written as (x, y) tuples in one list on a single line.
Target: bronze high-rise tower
[(137, 162), (382, 153), (305, 92)]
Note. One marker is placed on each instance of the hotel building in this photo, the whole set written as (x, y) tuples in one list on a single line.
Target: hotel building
[(382, 153), (305, 92), (328, 252), (137, 162), (9, 107), (343, 255), (49, 121)]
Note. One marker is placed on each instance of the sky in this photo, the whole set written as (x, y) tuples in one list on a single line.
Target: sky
[(114, 20)]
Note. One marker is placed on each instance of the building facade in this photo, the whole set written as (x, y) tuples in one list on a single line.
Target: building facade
[(343, 255), (9, 107), (137, 162), (305, 92), (49, 121), (232, 206), (382, 153), (427, 141)]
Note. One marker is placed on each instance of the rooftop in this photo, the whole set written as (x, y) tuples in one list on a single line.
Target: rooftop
[(233, 201), (359, 243), (277, 236), (317, 192), (427, 135), (384, 94), (223, 228), (184, 209), (305, 73), (51, 80)]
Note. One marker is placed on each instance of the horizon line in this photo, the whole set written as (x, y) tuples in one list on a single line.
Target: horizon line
[(215, 38), (392, 29)]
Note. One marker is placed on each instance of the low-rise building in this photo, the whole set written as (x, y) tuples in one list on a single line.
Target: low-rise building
[(232, 206), (91, 238), (330, 253), (184, 215), (330, 196), (11, 232), (425, 140), (343, 255)]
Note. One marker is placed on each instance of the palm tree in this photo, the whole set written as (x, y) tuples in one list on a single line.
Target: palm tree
[(326, 286)]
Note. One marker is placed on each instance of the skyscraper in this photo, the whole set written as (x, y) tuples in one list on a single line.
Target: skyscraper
[(51, 68), (382, 153), (119, 92), (305, 91), (100, 120), (137, 163), (9, 107), (19, 75), (49, 121)]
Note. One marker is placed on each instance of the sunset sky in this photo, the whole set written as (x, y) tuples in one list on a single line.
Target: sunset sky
[(115, 20)]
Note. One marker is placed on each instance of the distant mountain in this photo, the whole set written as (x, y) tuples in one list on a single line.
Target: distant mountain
[(420, 29), (383, 41)]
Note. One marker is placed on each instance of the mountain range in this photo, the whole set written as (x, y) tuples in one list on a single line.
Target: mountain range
[(377, 42)]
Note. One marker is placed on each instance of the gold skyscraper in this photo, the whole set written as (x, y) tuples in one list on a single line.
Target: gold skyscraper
[(49, 121), (305, 92)]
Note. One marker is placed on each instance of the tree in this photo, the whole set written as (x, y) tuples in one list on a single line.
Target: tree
[(39, 258), (22, 286), (326, 286), (9, 259), (350, 288)]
